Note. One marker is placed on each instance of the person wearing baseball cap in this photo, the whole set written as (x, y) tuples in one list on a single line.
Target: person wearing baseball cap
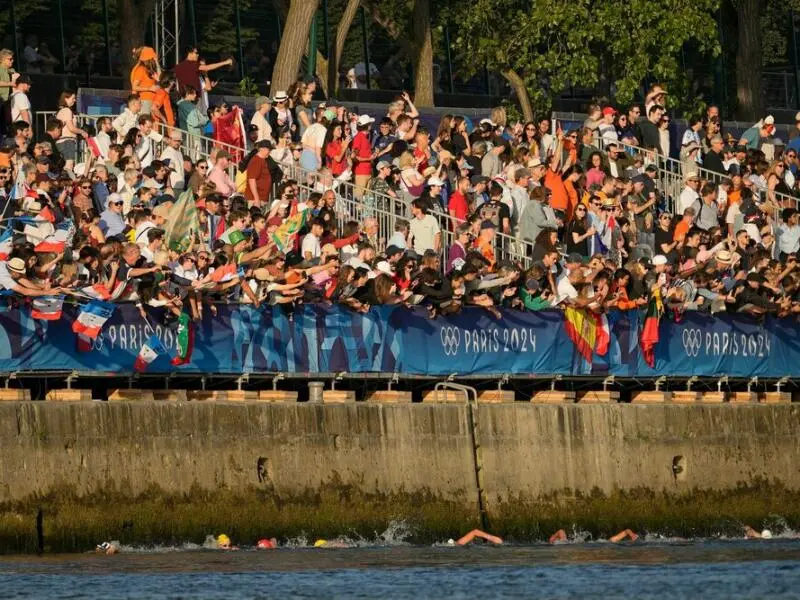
[(607, 129)]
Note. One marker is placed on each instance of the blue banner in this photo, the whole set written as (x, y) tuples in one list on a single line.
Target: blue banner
[(390, 339)]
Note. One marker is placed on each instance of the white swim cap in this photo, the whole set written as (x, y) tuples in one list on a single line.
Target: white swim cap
[(451, 542), (766, 534)]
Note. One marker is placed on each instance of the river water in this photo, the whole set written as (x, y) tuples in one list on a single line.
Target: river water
[(662, 569)]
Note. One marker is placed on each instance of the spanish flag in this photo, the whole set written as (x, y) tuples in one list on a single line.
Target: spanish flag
[(587, 330), (649, 337)]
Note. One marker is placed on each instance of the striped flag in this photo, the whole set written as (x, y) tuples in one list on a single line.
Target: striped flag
[(47, 308), (650, 336), (92, 318), (100, 291), (149, 351), (285, 235), (588, 331), (182, 222), (227, 272)]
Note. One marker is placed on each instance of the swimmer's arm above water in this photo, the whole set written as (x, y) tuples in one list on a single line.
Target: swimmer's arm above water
[(477, 533)]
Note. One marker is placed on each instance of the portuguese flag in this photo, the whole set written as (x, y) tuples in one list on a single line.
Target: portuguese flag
[(649, 336), (588, 330)]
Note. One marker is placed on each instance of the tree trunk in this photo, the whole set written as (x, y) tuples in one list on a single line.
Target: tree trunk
[(133, 15), (748, 60), (518, 85), (293, 44), (337, 46), (423, 63)]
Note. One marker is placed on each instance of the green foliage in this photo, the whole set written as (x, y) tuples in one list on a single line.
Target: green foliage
[(219, 35), (554, 44), (247, 87)]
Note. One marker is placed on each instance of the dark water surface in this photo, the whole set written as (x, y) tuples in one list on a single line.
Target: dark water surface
[(653, 569)]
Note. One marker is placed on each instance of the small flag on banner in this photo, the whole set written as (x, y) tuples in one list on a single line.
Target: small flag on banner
[(185, 341), (84, 343), (47, 308), (285, 235), (149, 351), (92, 318)]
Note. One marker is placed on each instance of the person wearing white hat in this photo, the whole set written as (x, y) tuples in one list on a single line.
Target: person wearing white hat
[(689, 194), (280, 116)]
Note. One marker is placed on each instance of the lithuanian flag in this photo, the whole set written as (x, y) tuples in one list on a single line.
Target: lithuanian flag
[(652, 319), (587, 330)]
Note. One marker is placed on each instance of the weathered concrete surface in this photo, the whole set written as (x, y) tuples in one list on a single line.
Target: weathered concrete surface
[(154, 472), (534, 451)]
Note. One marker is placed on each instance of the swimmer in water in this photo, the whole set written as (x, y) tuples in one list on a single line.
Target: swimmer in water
[(224, 543), (107, 548), (625, 533), (561, 536), (267, 544), (752, 534), (476, 533), (330, 544)]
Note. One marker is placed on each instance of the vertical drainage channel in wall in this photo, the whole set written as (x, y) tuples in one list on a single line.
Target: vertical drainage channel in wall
[(471, 397), (679, 468)]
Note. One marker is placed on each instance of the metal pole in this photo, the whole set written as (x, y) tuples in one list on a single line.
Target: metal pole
[(366, 46), (177, 33), (14, 33), (240, 54), (311, 63), (61, 36), (795, 60), (325, 27), (449, 58), (107, 35), (192, 22)]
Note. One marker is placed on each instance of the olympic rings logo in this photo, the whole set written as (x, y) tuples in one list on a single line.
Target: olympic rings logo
[(451, 339), (692, 341)]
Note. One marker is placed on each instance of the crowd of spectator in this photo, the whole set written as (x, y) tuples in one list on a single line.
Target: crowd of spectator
[(295, 207)]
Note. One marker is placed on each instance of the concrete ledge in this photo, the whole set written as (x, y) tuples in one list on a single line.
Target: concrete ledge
[(390, 397), (685, 397), (169, 395), (496, 396), (338, 396), (743, 398), (204, 395), (445, 395), (597, 397), (277, 396), (553, 397), (14, 395), (774, 397), (650, 397), (242, 395), (69, 395), (713, 397), (130, 394)]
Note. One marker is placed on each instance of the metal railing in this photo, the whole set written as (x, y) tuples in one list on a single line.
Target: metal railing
[(350, 198)]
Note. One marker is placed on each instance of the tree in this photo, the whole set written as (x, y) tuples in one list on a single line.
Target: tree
[(293, 43), (542, 47), (337, 46), (423, 62), (749, 60), (134, 15), (219, 34)]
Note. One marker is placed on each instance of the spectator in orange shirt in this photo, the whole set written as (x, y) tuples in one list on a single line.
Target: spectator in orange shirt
[(162, 106), (683, 226), (144, 77)]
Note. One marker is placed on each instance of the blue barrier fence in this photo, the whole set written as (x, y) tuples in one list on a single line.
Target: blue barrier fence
[(330, 339)]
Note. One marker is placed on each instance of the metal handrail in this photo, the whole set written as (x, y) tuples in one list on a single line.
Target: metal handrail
[(387, 209)]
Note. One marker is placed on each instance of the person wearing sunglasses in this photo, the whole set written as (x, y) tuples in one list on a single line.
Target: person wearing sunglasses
[(112, 223)]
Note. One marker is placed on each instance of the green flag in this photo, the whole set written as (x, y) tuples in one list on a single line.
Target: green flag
[(182, 222)]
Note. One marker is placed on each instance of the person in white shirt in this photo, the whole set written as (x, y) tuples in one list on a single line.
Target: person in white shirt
[(263, 106), (173, 154), (20, 104), (129, 117), (607, 129), (425, 231), (689, 194), (103, 139), (310, 248), (145, 149)]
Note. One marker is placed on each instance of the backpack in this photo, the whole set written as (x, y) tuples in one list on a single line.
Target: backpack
[(5, 116)]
